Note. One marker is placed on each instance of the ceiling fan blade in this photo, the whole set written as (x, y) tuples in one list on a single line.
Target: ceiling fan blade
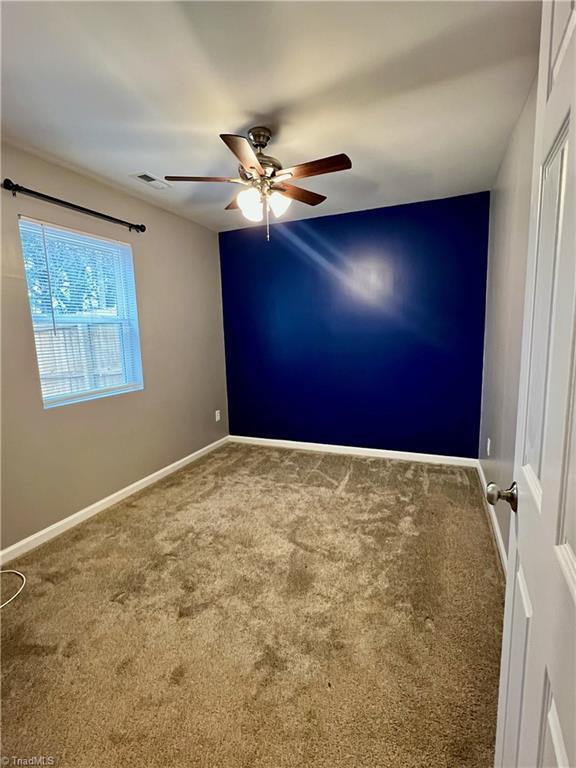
[(242, 148), (232, 205), (302, 195), (203, 178), (317, 167)]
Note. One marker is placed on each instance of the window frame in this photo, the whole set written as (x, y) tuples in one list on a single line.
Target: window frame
[(127, 324)]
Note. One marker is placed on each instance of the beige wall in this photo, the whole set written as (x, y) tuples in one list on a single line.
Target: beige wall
[(58, 461), (509, 222)]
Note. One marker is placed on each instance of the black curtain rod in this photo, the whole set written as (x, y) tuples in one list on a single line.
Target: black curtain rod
[(17, 189)]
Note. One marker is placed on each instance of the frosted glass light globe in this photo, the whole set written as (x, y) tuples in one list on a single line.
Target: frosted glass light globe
[(279, 203), (250, 202)]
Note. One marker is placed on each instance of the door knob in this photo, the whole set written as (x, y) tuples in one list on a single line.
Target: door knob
[(494, 493)]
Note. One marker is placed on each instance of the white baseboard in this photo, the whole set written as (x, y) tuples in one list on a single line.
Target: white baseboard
[(33, 541), (494, 522), (429, 458), (36, 539)]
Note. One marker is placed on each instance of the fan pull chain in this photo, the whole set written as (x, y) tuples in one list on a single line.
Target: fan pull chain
[(267, 220)]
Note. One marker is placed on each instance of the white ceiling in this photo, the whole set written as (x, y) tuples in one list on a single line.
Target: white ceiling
[(421, 95)]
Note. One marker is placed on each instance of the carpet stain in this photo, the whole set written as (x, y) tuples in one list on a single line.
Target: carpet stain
[(177, 674), (264, 608)]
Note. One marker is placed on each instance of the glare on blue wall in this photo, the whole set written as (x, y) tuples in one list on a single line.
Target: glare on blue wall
[(360, 329)]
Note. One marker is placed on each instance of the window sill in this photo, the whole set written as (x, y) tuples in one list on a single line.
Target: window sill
[(81, 397)]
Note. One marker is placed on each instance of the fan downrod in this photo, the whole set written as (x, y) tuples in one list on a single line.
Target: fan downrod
[(259, 136)]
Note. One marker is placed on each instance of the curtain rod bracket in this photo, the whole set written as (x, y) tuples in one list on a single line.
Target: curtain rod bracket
[(11, 186)]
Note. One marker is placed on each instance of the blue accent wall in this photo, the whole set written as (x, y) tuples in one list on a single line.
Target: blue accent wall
[(360, 329)]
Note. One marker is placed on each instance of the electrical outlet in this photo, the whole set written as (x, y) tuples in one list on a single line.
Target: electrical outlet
[(488, 447), (217, 416)]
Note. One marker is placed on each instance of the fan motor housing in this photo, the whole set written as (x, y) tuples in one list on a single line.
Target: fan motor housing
[(259, 137), (266, 161)]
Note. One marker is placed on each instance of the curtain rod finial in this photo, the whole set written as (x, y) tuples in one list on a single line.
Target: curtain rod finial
[(10, 186)]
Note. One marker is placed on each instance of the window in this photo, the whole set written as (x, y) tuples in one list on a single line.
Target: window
[(83, 306)]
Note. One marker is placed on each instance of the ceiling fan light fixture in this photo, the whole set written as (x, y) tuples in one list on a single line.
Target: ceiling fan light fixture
[(264, 178), (250, 203), (279, 203)]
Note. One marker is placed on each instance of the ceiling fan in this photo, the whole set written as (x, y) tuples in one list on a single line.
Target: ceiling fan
[(267, 183)]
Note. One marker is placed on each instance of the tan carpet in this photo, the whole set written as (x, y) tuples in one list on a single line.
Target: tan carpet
[(263, 608)]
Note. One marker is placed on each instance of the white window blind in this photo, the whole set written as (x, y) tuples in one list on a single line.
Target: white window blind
[(83, 305)]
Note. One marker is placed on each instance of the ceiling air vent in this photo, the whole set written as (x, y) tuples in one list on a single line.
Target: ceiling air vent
[(151, 181)]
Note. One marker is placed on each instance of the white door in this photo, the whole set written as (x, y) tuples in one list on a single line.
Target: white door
[(537, 702)]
